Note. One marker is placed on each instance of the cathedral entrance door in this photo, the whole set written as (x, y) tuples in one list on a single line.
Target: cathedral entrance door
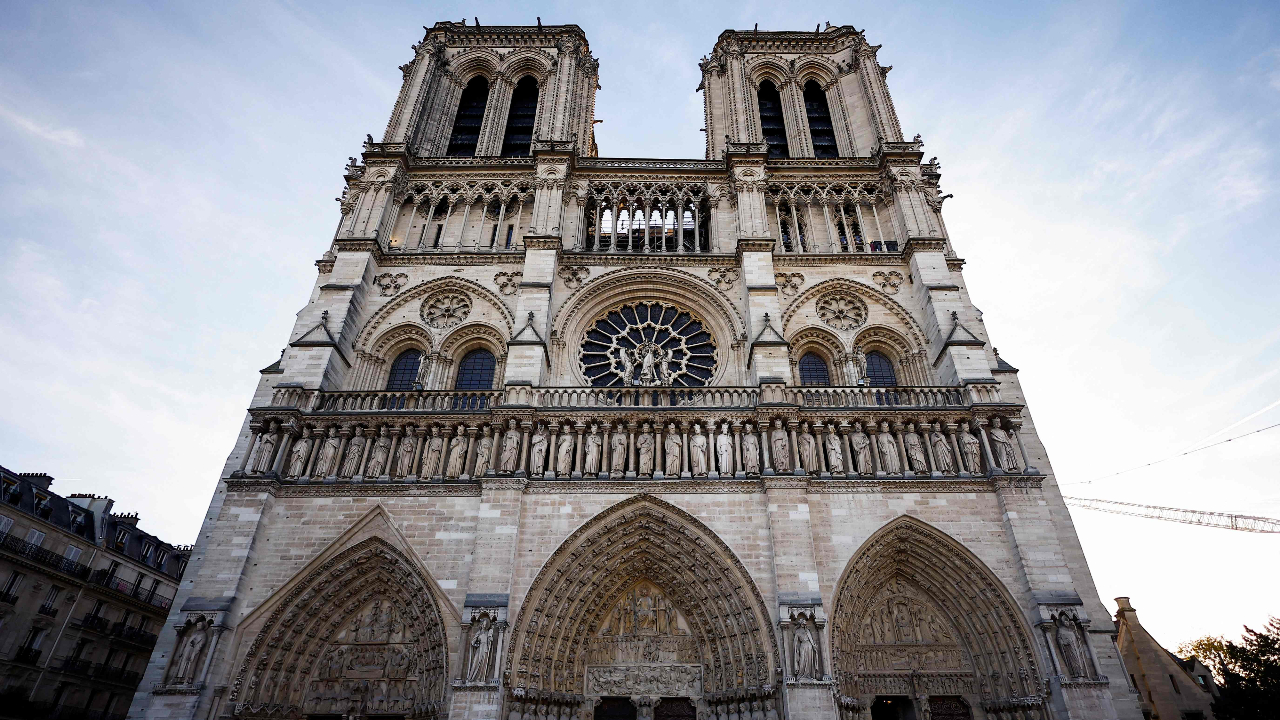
[(615, 708), (674, 709)]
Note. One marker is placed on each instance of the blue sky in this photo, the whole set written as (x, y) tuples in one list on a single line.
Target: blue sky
[(167, 175)]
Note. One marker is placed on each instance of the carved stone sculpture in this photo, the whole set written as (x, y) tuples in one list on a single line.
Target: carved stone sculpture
[(698, 452), (942, 453), (405, 454), (595, 443), (355, 453), (378, 456), (538, 451), (435, 449), (328, 460), (190, 649), (672, 447), (806, 653), (915, 450), (750, 451), (564, 451), (1069, 647), (972, 449), (266, 448), (299, 454), (859, 358), (889, 461), (644, 449), (509, 458), (835, 453), (484, 452), (1002, 447), (808, 450), (457, 455), (861, 447), (780, 448), (618, 452), (724, 450), (481, 649)]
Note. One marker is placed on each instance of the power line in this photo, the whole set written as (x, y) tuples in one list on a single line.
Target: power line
[(1226, 521), (1171, 457)]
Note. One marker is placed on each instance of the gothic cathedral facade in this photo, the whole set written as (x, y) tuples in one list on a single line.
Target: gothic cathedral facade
[(567, 437)]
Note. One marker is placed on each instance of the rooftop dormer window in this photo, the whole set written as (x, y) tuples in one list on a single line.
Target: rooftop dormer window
[(122, 537)]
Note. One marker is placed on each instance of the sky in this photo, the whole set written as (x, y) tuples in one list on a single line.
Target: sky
[(167, 175)]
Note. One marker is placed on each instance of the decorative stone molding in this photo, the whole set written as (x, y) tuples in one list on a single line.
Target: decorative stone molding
[(723, 277), (841, 310), (888, 281), (445, 310), (390, 284), (508, 282), (788, 283), (574, 276)]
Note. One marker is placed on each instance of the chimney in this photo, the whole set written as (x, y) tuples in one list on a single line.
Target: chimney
[(1123, 606), (99, 505), (38, 480)]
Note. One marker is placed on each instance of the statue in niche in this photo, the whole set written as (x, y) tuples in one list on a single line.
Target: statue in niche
[(435, 449), (1069, 647), (484, 451), (457, 454), (861, 446), (806, 652), (672, 447), (328, 460), (654, 362), (942, 452), (481, 646), (404, 455), (618, 452), (698, 452), (915, 450), (538, 451), (859, 365), (266, 448), (644, 448), (564, 451), (1002, 447), (808, 450), (780, 448), (591, 461), (889, 461), (646, 618), (724, 450), (299, 455), (355, 453), (509, 456), (972, 449), (750, 451), (835, 454), (184, 663), (378, 456)]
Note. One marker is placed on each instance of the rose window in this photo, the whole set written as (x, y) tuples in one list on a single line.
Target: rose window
[(648, 344), (841, 311), (446, 309)]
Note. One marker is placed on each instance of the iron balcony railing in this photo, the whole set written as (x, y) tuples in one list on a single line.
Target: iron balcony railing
[(35, 553), (147, 595), (48, 610), (116, 674), (76, 666), (27, 655), (94, 622), (133, 634)]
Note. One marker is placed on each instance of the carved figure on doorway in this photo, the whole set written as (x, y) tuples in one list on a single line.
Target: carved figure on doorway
[(1002, 447), (770, 712), (564, 451), (355, 453), (750, 451), (538, 451), (404, 455), (780, 448), (808, 450), (972, 449), (861, 447), (888, 446), (672, 446), (835, 454), (646, 618), (435, 449), (806, 652), (266, 448), (591, 462), (724, 450), (698, 452), (481, 646), (378, 456), (192, 647), (1070, 649), (644, 449), (484, 452), (915, 450), (298, 456), (509, 456), (457, 454), (942, 452), (328, 460), (618, 452)]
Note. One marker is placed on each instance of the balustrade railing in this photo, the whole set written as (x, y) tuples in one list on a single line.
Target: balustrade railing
[(48, 558)]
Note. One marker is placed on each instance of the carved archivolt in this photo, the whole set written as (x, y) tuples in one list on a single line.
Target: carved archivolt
[(909, 324), (362, 633), (610, 578), (915, 609), (439, 285)]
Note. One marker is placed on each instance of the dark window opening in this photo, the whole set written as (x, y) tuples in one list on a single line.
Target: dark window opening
[(615, 708), (1174, 683), (404, 371), (466, 125), (518, 137), (880, 370), (893, 707), (476, 370), (813, 370), (820, 128), (771, 125)]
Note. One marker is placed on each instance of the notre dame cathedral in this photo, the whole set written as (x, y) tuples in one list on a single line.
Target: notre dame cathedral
[(559, 436)]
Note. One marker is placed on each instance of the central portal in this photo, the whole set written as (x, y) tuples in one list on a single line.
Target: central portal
[(644, 648)]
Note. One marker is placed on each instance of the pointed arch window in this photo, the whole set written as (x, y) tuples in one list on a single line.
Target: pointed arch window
[(771, 124), (404, 370), (820, 127), (813, 370), (518, 137), (466, 125), (476, 370), (880, 370)]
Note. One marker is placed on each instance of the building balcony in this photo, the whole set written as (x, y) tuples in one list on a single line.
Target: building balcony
[(133, 634), (96, 623), (8, 598), (48, 610), (105, 579), (36, 554), (116, 675), (28, 655), (76, 666)]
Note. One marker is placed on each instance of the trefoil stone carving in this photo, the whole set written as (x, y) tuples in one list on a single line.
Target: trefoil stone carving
[(574, 276), (788, 283), (888, 281), (390, 284), (508, 282), (723, 277)]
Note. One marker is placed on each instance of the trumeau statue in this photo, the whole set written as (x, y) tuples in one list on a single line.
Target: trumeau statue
[(942, 453), (750, 451), (915, 450), (435, 450), (808, 450), (591, 459), (835, 454), (644, 450), (779, 448), (861, 447), (698, 452), (484, 452), (1002, 447), (326, 463), (355, 453), (378, 456), (724, 450), (889, 461), (538, 451), (672, 447), (509, 458), (972, 449)]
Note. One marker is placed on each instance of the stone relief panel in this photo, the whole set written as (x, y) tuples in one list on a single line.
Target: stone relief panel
[(842, 311), (445, 310), (574, 276), (903, 631), (723, 277), (643, 626), (656, 680), (788, 283), (888, 281), (389, 284), (371, 665), (508, 282)]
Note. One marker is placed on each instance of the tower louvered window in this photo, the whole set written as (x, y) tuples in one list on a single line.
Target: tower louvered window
[(820, 128), (466, 125), (524, 107), (771, 125)]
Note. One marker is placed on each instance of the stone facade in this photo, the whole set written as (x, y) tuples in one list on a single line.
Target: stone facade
[(561, 436), (1168, 686)]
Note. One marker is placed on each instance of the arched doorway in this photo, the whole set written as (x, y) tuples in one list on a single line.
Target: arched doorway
[(922, 628), (642, 606)]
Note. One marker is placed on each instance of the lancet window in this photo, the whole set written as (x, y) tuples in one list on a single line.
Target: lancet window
[(880, 370), (771, 124), (466, 125), (476, 371), (653, 225), (404, 370), (813, 370), (819, 114), (518, 137)]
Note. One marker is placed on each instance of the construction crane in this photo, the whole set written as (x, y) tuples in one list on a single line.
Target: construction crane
[(1226, 521)]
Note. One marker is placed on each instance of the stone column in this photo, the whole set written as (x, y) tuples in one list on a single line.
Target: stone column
[(902, 450), (525, 427), (631, 444), (1015, 431), (925, 429), (684, 449), (737, 450), (469, 461), (578, 428), (553, 430), (418, 452), (850, 466), (961, 469), (986, 447), (795, 448)]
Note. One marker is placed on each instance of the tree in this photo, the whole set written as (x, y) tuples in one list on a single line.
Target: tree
[(1250, 686), (1210, 650)]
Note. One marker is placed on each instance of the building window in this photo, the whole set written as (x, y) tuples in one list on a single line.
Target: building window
[(404, 371), (122, 537), (72, 553), (161, 557), (820, 128), (1174, 683), (6, 523), (182, 567), (148, 548), (771, 125), (813, 370), (13, 583), (880, 370), (35, 537), (475, 372), (518, 137), (466, 125)]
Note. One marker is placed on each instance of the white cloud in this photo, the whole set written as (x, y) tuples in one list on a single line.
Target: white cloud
[(67, 137)]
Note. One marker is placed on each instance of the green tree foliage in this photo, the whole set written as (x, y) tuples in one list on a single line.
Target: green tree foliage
[(1210, 650), (1250, 670)]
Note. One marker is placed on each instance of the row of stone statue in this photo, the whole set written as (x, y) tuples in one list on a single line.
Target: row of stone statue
[(639, 448)]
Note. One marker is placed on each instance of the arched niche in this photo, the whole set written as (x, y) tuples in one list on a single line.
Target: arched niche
[(918, 615)]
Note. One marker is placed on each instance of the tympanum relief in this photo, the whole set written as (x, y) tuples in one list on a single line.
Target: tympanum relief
[(644, 626), (902, 631), (370, 666)]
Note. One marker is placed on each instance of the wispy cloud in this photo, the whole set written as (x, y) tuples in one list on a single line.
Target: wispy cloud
[(66, 137)]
